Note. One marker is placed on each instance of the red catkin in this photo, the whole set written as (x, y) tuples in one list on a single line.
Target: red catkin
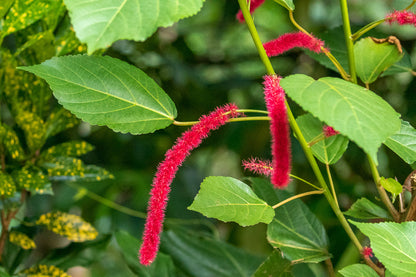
[(258, 166), (401, 17), (367, 252), (254, 4), (329, 131), (279, 129), (166, 172), (291, 40)]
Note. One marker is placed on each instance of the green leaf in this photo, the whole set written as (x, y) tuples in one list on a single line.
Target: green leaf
[(3, 272), (25, 12), (33, 127), (32, 179), (21, 240), (73, 148), (367, 210), (329, 150), (372, 58), (129, 246), (393, 244), (403, 143), (275, 265), (391, 185), (354, 111), (107, 91), (404, 65), (99, 23), (59, 121), (202, 256), (7, 185), (71, 226), (4, 7), (288, 4), (72, 169), (229, 199), (358, 270), (11, 142), (295, 230)]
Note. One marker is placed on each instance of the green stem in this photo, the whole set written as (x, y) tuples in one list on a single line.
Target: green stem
[(306, 182), (348, 39), (237, 119), (366, 28), (411, 5), (296, 197), (252, 111)]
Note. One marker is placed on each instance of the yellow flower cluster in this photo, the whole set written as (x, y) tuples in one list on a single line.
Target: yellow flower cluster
[(45, 271), (21, 240), (11, 142), (70, 226)]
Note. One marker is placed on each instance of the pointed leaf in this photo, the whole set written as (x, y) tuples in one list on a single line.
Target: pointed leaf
[(404, 65), (288, 4), (32, 179), (107, 91), (7, 185), (99, 23), (354, 111), (202, 256), (394, 244), (229, 199), (391, 185), (403, 143), (59, 121), (11, 142), (275, 265), (73, 148), (162, 266), (329, 150), (33, 127), (358, 270), (295, 230), (71, 226), (367, 210), (372, 58)]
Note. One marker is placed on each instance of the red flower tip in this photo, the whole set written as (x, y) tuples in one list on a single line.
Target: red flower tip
[(166, 172), (258, 166), (329, 131), (401, 17), (367, 252), (291, 40), (254, 4), (279, 129)]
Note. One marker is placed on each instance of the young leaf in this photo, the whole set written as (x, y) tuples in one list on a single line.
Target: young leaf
[(59, 121), (229, 199), (354, 111), (73, 148), (367, 210), (163, 265), (7, 185), (11, 142), (21, 240), (275, 265), (329, 150), (393, 244), (391, 185), (403, 143), (107, 91), (288, 4), (202, 256), (45, 271), (34, 129), (99, 23), (32, 179), (372, 58), (295, 230), (358, 270), (71, 226)]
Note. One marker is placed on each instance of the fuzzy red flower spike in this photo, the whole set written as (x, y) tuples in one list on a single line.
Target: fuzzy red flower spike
[(289, 41)]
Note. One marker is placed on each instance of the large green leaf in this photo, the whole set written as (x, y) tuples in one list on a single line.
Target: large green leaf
[(404, 65), (354, 111), (107, 91), (202, 256), (372, 58), (394, 244), (365, 209), (329, 150), (99, 23), (288, 4), (275, 265), (229, 199), (358, 270), (403, 143), (294, 229), (129, 245)]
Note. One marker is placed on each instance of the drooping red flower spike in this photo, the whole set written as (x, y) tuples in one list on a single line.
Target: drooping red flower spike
[(291, 40), (367, 252), (401, 17), (258, 166), (279, 129), (166, 172), (329, 131), (254, 4)]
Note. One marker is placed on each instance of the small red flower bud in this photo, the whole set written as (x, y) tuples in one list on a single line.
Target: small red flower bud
[(329, 131), (401, 17), (258, 166), (291, 40), (367, 252)]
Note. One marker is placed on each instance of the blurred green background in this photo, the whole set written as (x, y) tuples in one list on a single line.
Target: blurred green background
[(206, 61)]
